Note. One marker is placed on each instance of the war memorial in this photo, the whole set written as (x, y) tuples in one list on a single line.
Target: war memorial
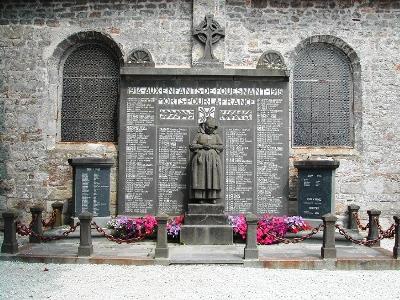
[(203, 111)]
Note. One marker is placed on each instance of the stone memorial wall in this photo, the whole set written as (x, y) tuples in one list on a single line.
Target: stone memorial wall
[(158, 120)]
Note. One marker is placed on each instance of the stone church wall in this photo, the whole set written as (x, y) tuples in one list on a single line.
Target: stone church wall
[(33, 161)]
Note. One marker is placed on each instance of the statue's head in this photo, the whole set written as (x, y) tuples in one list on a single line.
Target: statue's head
[(210, 125)]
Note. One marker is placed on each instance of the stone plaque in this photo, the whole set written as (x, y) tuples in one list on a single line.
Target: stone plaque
[(91, 186), (316, 191), (159, 118)]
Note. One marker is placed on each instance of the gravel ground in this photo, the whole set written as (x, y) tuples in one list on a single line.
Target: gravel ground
[(52, 281)]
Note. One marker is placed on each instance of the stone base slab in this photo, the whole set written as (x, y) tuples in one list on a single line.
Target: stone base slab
[(206, 235), (206, 208), (194, 219)]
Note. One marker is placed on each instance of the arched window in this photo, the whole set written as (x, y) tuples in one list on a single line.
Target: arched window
[(90, 95), (322, 97)]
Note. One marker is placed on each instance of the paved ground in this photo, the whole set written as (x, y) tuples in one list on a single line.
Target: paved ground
[(297, 256), (21, 280), (54, 281)]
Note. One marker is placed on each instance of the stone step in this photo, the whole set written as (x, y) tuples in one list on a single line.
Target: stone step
[(206, 235), (205, 208), (209, 219)]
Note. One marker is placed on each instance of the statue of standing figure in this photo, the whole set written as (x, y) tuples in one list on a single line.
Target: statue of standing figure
[(206, 163)]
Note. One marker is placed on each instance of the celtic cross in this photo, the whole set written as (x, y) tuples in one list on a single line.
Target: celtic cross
[(208, 32)]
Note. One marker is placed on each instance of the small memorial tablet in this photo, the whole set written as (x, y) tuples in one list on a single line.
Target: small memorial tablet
[(316, 192), (91, 186)]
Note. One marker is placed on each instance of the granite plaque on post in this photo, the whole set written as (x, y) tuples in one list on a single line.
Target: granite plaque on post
[(316, 187), (160, 113), (91, 185)]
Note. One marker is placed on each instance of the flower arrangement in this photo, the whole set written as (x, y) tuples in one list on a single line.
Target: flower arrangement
[(296, 224), (239, 225), (174, 227), (126, 227), (269, 228)]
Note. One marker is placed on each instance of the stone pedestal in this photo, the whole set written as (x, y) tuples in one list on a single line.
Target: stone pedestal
[(206, 224)]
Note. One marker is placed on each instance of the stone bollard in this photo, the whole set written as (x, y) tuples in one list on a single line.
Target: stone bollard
[(85, 247), (37, 226), (251, 250), (328, 249), (352, 223), (10, 244), (396, 248), (161, 250), (58, 207), (373, 230)]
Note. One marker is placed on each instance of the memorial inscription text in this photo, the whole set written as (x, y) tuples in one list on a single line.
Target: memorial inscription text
[(160, 119)]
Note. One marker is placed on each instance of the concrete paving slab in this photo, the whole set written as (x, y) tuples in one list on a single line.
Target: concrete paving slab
[(294, 256)]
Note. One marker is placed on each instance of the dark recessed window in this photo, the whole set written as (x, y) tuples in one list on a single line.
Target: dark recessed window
[(90, 95), (322, 97)]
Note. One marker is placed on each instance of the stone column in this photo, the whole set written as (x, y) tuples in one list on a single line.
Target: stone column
[(161, 250), (85, 247), (37, 226), (10, 244), (251, 249), (201, 8), (396, 248), (352, 223), (373, 230), (58, 207), (328, 249)]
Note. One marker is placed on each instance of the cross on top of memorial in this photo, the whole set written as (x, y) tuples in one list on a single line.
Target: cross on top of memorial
[(209, 32)]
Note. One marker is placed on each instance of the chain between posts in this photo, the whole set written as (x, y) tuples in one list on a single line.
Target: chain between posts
[(24, 230), (358, 221), (51, 221), (114, 239), (389, 233), (314, 231)]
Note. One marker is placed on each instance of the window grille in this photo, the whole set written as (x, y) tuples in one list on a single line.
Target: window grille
[(90, 95), (322, 97)]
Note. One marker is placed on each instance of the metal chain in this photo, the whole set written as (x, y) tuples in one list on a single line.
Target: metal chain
[(384, 234), (389, 232), (314, 231), (24, 230), (51, 221), (358, 221), (114, 239)]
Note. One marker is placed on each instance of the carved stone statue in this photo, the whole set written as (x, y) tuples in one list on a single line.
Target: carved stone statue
[(206, 163)]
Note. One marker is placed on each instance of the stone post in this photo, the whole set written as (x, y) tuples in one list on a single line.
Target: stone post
[(37, 226), (396, 248), (10, 244), (352, 223), (58, 207), (328, 249), (85, 247), (161, 250), (251, 250), (373, 230)]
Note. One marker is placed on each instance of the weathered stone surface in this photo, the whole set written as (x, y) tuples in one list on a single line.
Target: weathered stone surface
[(33, 164), (206, 235)]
